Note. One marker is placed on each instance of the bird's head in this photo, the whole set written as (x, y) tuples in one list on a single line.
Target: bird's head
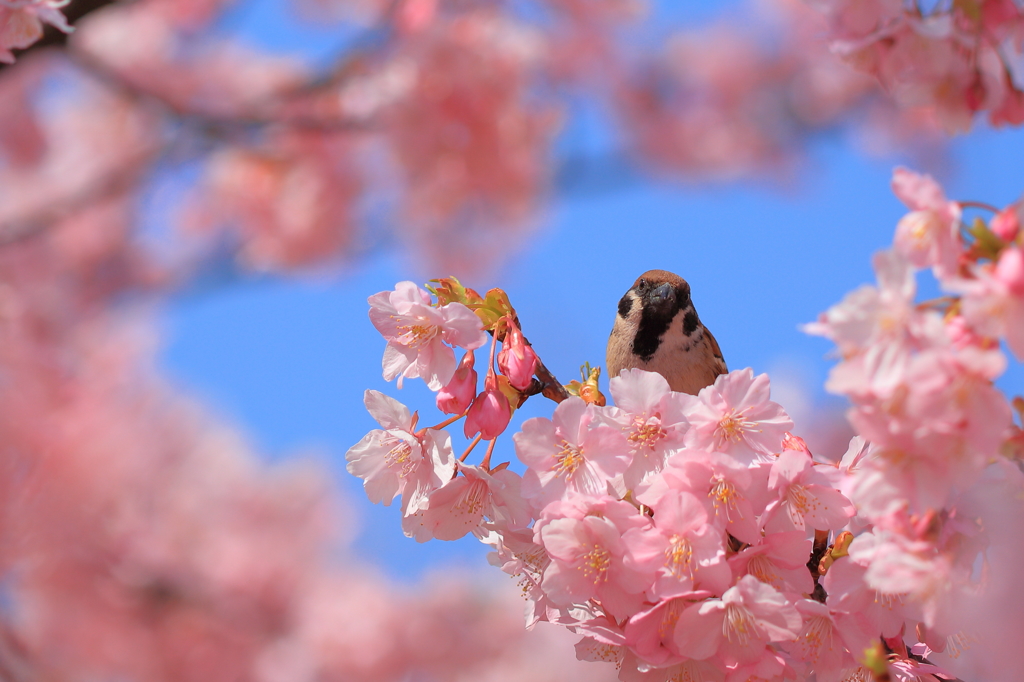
[(655, 294)]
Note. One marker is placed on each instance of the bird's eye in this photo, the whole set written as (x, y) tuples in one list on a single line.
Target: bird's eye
[(641, 286)]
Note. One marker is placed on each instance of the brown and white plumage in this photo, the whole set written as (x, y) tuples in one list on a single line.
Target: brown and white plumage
[(657, 329)]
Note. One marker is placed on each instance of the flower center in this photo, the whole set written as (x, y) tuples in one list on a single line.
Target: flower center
[(724, 494), (816, 638), (958, 643), (399, 455), (472, 500), (595, 564), (669, 619), (679, 557), (800, 503), (688, 671), (732, 426), (415, 335), (568, 459), (762, 568), (645, 433), (739, 625), (887, 600)]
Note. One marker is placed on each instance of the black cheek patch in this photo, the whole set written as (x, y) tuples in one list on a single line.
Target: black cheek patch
[(690, 323), (625, 305)]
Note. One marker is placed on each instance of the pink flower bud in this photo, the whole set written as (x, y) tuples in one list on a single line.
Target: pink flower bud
[(490, 413), (456, 397), (1006, 224), (517, 361)]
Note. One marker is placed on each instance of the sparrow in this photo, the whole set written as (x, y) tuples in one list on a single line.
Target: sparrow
[(657, 329)]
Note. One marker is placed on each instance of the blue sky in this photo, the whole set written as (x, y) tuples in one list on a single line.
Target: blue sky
[(288, 360)]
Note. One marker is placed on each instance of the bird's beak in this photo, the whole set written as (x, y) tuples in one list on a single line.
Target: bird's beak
[(662, 296)]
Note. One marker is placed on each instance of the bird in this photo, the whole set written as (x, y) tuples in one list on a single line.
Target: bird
[(657, 329)]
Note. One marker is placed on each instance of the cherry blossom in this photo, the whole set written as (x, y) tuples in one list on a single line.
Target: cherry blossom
[(394, 461), (583, 537), (684, 551), (417, 334), (652, 418), (737, 627), (806, 499), (954, 59), (726, 486), (734, 415), (993, 301), (575, 450), (779, 560), (929, 236), (460, 505)]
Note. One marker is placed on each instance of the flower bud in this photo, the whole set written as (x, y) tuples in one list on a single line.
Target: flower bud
[(1006, 224), (456, 397), (517, 361), (490, 413)]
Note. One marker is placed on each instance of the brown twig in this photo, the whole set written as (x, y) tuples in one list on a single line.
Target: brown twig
[(817, 552), (551, 388)]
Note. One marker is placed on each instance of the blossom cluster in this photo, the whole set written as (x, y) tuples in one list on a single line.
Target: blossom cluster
[(959, 58), (940, 437), (145, 540), (694, 536), (440, 126)]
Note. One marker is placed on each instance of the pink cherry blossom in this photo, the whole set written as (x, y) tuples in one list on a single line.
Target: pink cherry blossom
[(651, 416), (583, 537), (993, 301), (725, 485), (651, 633), (417, 334), (734, 415), (394, 461), (949, 58), (940, 425), (460, 505), (878, 329), (575, 450), (805, 497), (929, 236), (829, 641), (777, 559), (682, 549), (738, 626), (883, 612)]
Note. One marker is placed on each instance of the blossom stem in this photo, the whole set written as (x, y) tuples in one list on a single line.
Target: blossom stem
[(486, 463), (472, 445), (449, 421), (978, 204), (941, 301)]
